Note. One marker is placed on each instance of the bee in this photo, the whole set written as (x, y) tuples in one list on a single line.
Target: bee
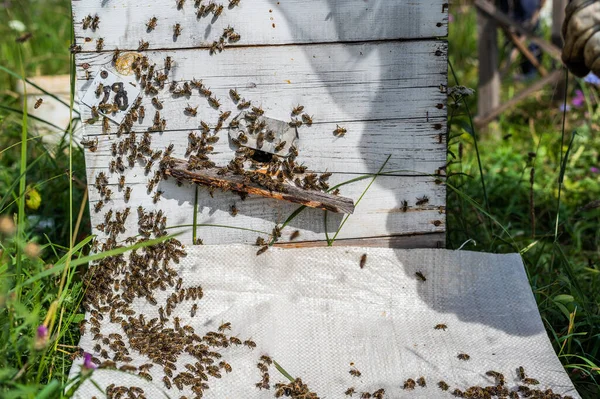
[(99, 90), (142, 112), (363, 261), (201, 11), (225, 327), (95, 22), (365, 395), (421, 382), (423, 200), (421, 276), (38, 103), (279, 146), (295, 123), (297, 110), (122, 182), (143, 45), (157, 103), (339, 131), (499, 377), (404, 205), (225, 366), (355, 373), (151, 23), (115, 56), (180, 4), (350, 391), (521, 373), (463, 356), (244, 104), (214, 47), (156, 196), (234, 37), (105, 125), (258, 111), (204, 126), (88, 76), (234, 210), (214, 102), (168, 63), (378, 394), (99, 44), (443, 386), (294, 235), (440, 327), (262, 250), (260, 139), (86, 22), (513, 395), (250, 344), (194, 309), (210, 7), (409, 384), (74, 48), (224, 115), (260, 241), (98, 206), (233, 3), (192, 111), (307, 119), (177, 30), (458, 393), (218, 10)]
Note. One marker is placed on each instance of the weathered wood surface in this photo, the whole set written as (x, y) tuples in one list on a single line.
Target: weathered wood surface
[(379, 214), (388, 94), (210, 177), (260, 22)]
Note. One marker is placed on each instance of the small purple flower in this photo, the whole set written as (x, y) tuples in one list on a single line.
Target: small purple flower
[(41, 337), (594, 169), (87, 362), (564, 107), (592, 79), (450, 18), (579, 99)]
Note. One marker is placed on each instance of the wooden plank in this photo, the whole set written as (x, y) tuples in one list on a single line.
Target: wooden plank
[(488, 91), (211, 178), (431, 240), (123, 24), (415, 148), (336, 83), (380, 213)]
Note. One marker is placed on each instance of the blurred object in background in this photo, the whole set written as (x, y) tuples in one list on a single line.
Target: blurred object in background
[(50, 110), (581, 33), (526, 12)]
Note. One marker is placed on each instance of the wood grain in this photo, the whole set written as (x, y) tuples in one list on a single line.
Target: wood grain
[(210, 177), (337, 83), (379, 213), (270, 22)]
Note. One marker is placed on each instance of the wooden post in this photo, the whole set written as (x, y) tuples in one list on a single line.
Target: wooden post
[(488, 93), (558, 16)]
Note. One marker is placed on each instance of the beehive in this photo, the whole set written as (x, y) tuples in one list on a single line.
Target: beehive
[(377, 68)]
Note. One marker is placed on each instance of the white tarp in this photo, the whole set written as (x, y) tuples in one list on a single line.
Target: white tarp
[(315, 311)]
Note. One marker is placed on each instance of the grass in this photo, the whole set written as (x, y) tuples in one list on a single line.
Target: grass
[(538, 179)]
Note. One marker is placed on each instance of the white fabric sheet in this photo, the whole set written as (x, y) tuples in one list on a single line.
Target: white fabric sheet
[(315, 311)]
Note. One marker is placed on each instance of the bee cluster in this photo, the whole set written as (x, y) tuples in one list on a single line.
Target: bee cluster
[(295, 389), (498, 389), (116, 392)]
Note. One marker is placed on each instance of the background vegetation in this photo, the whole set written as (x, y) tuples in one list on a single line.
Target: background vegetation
[(555, 227)]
